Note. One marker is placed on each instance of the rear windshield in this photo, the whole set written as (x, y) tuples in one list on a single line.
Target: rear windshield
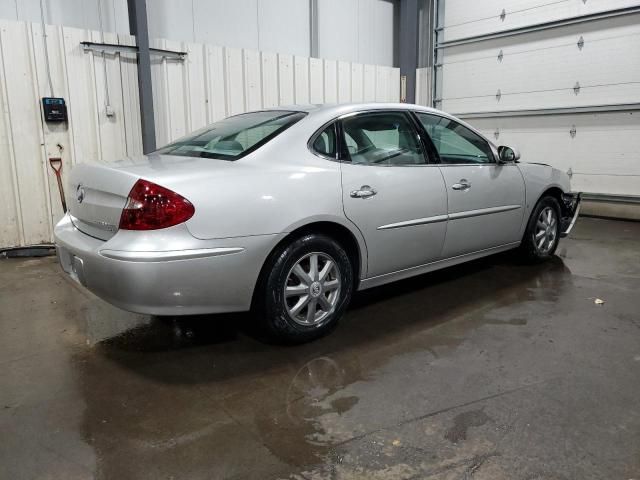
[(233, 137)]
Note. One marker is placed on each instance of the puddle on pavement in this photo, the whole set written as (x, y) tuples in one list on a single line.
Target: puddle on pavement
[(208, 390), (463, 422), (294, 399)]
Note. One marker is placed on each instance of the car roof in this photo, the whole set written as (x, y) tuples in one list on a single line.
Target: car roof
[(320, 114), (325, 112), (345, 108)]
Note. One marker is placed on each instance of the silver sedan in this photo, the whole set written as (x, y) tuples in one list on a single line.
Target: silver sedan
[(289, 211)]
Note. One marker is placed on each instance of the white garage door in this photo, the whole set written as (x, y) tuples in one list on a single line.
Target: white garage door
[(559, 79)]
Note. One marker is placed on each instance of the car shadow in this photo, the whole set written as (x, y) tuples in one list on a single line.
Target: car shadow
[(377, 316), (156, 381)]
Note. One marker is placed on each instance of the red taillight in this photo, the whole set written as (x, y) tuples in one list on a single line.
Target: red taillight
[(151, 206)]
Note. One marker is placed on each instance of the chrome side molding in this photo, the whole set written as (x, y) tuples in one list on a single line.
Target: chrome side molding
[(451, 216), (168, 255)]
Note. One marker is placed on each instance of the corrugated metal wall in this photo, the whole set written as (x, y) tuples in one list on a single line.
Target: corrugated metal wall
[(214, 82), (211, 83), (29, 199), (424, 86)]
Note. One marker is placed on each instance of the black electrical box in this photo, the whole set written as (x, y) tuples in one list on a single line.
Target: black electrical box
[(54, 109)]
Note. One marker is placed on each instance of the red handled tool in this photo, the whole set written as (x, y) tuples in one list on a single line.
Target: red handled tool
[(56, 164)]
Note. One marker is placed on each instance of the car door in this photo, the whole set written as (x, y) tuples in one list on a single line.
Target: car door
[(485, 198), (390, 191)]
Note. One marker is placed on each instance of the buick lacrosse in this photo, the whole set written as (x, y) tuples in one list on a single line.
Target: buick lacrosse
[(288, 211)]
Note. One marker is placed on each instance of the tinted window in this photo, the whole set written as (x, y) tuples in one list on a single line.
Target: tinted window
[(454, 142), (235, 136), (382, 138), (325, 142)]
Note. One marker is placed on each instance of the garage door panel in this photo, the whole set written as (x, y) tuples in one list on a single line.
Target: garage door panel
[(540, 71), (464, 19), (562, 69), (613, 94), (548, 61), (543, 145), (606, 184), (604, 154), (595, 30)]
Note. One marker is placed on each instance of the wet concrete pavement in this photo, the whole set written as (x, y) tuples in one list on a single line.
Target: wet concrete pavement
[(490, 370)]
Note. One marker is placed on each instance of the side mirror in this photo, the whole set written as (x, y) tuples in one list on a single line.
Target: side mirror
[(508, 154)]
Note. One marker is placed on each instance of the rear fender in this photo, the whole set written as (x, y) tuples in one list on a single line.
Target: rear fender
[(343, 222)]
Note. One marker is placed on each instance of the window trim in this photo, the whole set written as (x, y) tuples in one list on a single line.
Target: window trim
[(336, 145), (425, 139), (255, 146), (429, 150), (493, 161), (346, 157)]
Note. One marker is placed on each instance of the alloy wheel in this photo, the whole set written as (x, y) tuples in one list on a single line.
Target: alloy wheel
[(312, 289), (546, 231)]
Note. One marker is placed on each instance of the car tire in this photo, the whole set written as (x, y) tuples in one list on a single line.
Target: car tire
[(291, 288), (542, 234)]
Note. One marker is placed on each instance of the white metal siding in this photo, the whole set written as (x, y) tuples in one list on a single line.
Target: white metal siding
[(351, 30), (211, 83), (72, 13), (187, 95), (356, 30), (29, 198), (539, 70), (424, 86)]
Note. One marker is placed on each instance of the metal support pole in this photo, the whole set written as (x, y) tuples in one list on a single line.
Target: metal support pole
[(313, 28), (138, 27), (438, 54), (409, 18)]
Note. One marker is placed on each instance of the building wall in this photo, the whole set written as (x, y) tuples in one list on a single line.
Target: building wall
[(351, 30), (270, 25), (211, 82), (72, 13), (356, 30)]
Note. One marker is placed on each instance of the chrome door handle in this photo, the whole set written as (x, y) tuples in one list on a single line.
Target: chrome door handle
[(462, 185), (364, 192)]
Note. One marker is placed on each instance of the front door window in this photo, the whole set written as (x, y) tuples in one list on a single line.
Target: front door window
[(455, 143)]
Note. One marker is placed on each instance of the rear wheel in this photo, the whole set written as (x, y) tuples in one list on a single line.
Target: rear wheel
[(307, 289), (543, 231)]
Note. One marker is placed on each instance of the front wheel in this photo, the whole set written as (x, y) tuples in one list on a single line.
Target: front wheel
[(307, 290), (543, 231)]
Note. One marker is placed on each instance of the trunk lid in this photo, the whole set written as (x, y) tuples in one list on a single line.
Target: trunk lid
[(96, 197), (98, 192)]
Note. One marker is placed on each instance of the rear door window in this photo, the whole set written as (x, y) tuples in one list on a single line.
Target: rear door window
[(382, 138), (234, 137)]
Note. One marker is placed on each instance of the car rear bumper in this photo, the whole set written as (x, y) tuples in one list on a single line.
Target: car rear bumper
[(205, 277), (570, 212)]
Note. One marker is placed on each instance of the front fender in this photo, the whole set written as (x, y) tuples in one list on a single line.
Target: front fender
[(538, 179)]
